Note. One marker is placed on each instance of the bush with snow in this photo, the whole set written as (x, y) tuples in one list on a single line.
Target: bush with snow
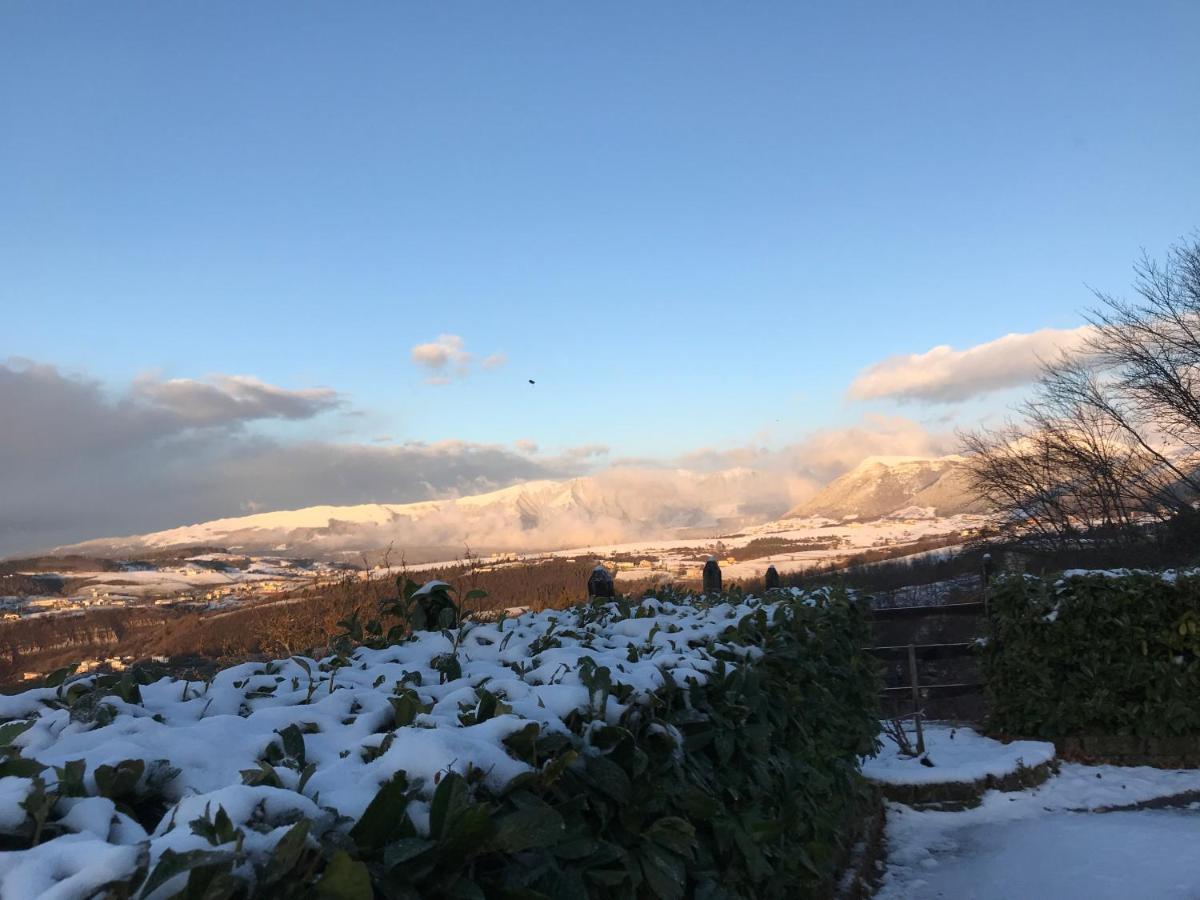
[(678, 745)]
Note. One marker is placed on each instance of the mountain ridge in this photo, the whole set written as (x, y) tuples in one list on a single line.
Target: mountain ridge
[(609, 507), (535, 515)]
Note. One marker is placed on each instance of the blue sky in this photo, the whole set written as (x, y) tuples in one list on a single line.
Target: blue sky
[(692, 224)]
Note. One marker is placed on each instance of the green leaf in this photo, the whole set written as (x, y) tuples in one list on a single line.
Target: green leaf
[(609, 778), (119, 781), (220, 830), (672, 833), (467, 832), (405, 707), (70, 778), (265, 774), (345, 878), (305, 775), (287, 853), (556, 767), (405, 850), (522, 743), (58, 676), (212, 882), (10, 731), (22, 768), (465, 889), (529, 828), (665, 873), (293, 743), (486, 708), (171, 864), (449, 797), (383, 815)]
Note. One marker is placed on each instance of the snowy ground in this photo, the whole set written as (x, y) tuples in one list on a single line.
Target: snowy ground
[(955, 755), (1111, 856), (1050, 841)]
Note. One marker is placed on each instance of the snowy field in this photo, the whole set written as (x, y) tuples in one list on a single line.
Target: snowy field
[(325, 737), (850, 537), (668, 555), (1044, 843)]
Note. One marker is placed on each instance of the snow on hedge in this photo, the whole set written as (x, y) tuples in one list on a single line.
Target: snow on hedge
[(270, 743)]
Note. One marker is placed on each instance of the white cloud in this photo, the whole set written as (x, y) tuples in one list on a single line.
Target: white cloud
[(447, 358), (945, 375), (445, 352)]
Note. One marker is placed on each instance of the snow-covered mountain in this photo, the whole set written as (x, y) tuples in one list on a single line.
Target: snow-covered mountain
[(883, 485), (609, 507)]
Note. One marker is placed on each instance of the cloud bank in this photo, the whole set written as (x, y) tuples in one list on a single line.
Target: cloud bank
[(231, 399), (804, 467), (946, 375), (78, 460)]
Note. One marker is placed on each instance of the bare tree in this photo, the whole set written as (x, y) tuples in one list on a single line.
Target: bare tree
[(1111, 435)]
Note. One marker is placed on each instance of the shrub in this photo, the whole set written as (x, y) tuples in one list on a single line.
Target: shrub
[(713, 753), (1099, 653)]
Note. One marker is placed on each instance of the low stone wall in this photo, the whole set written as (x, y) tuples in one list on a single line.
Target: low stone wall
[(1132, 750), (966, 794)]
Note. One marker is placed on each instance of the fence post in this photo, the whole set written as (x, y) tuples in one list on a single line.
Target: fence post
[(772, 578), (600, 583), (916, 696), (987, 580), (712, 576)]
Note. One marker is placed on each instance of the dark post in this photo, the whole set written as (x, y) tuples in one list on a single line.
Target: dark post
[(712, 576), (987, 579), (916, 696), (600, 583), (772, 578)]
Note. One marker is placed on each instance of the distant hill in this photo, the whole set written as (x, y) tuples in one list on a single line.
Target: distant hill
[(611, 507), (883, 485)]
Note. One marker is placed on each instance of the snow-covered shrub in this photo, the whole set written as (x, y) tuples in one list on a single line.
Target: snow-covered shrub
[(1107, 652), (674, 746)]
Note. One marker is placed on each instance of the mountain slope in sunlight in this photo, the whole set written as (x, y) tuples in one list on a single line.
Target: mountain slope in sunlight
[(881, 485), (609, 507)]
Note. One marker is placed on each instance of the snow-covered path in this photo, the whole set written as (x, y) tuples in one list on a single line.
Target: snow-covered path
[(1043, 843), (1097, 856)]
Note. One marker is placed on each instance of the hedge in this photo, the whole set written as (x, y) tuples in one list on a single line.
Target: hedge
[(1097, 653), (740, 783)]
